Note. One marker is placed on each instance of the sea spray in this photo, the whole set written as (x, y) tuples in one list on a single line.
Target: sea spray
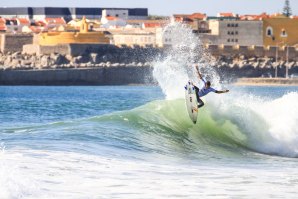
[(177, 66)]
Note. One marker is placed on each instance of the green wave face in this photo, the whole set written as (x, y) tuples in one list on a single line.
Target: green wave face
[(232, 128)]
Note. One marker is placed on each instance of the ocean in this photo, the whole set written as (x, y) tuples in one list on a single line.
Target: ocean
[(139, 142), (131, 142)]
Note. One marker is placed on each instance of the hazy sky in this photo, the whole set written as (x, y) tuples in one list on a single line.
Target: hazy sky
[(168, 7)]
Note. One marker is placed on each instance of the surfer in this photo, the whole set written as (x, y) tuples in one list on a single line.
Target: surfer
[(205, 90)]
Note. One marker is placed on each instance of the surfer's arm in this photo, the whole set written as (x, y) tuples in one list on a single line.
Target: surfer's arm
[(199, 74), (224, 91)]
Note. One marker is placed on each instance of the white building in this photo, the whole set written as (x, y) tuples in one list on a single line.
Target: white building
[(109, 21), (122, 14)]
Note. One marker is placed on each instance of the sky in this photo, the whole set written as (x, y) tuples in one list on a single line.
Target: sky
[(168, 7)]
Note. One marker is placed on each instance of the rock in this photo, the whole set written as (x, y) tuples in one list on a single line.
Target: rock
[(26, 62), (94, 58), (253, 59), (45, 61), (78, 59), (17, 55), (68, 58), (7, 61), (115, 65), (89, 64), (57, 59)]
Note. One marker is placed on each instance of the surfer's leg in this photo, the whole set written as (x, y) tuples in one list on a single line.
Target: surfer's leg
[(201, 103), (197, 93)]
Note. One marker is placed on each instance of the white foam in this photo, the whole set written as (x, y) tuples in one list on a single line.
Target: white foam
[(174, 70), (58, 174), (270, 126)]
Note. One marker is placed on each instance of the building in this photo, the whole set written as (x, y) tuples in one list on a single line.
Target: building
[(234, 32), (280, 31), (146, 23), (15, 25), (82, 37), (39, 13), (135, 37), (184, 18), (108, 20)]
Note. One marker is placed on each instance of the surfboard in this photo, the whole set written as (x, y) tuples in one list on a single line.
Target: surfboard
[(191, 101)]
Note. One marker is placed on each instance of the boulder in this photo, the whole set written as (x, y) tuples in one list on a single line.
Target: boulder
[(45, 61), (94, 58)]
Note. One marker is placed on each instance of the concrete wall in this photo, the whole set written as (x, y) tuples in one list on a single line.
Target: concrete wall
[(31, 49), (254, 51), (14, 42), (97, 76)]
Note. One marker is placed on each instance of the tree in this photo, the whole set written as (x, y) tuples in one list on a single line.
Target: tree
[(287, 11)]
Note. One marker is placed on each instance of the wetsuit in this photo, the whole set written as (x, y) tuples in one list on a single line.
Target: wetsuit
[(202, 92)]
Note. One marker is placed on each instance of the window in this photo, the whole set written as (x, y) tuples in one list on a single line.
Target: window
[(117, 15), (232, 25), (236, 40), (236, 32), (232, 40), (228, 25), (269, 31), (232, 33), (228, 32), (228, 40), (283, 33), (236, 25)]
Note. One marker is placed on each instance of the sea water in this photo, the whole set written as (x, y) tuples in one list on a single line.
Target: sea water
[(139, 142), (129, 142)]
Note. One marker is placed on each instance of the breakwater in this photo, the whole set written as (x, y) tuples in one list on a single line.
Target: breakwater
[(267, 81), (78, 76)]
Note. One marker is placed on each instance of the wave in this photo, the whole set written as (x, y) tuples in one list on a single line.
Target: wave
[(225, 123)]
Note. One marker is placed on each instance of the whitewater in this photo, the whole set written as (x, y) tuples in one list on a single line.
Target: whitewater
[(72, 142)]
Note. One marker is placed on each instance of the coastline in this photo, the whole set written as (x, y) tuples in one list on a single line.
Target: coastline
[(128, 75), (266, 82)]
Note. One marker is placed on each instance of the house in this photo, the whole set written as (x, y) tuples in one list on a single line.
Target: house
[(146, 23), (226, 14), (52, 23), (254, 17), (184, 18), (280, 30), (108, 21)]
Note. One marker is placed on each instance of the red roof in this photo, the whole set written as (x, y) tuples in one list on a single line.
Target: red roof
[(189, 18), (59, 21), (3, 27), (226, 14), (2, 24), (197, 16), (152, 25), (39, 23), (111, 18), (23, 21), (295, 17), (254, 17)]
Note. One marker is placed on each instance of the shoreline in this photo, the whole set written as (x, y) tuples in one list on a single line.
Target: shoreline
[(266, 82)]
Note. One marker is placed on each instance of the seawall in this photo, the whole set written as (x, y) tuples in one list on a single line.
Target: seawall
[(268, 81), (82, 76)]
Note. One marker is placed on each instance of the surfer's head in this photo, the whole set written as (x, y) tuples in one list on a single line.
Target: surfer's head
[(208, 84)]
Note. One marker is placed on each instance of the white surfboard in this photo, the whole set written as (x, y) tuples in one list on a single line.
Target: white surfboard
[(191, 101)]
